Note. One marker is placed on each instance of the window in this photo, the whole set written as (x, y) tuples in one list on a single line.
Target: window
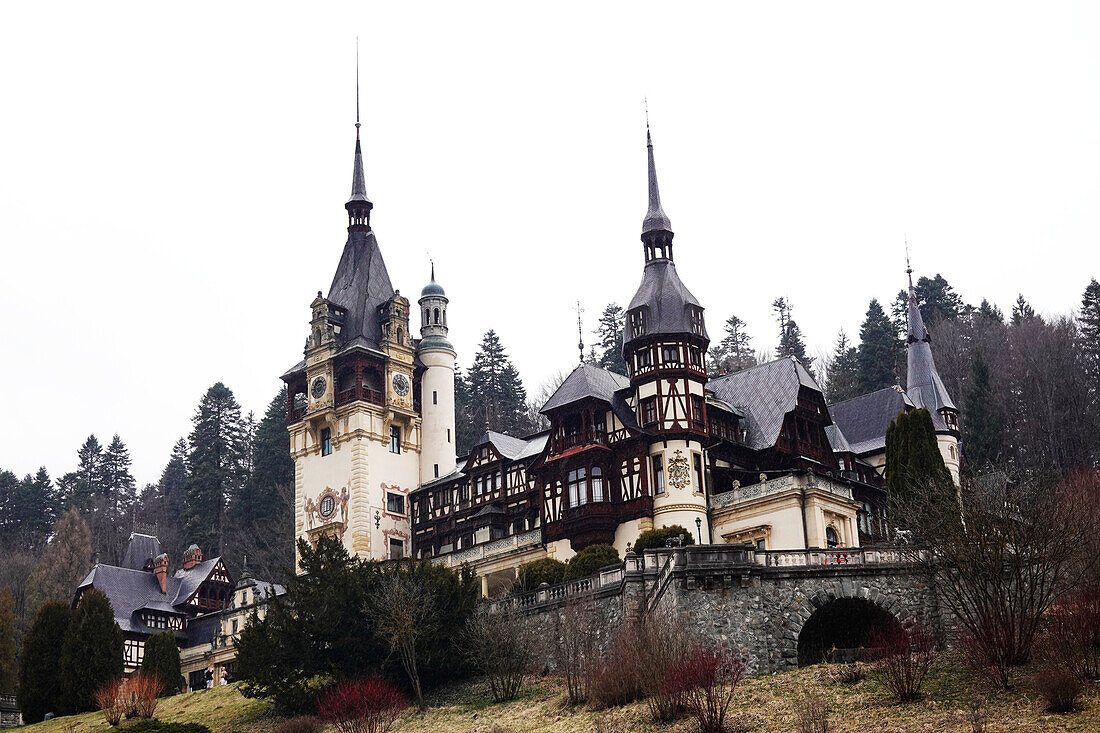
[(448, 435), (649, 411), (698, 461), (698, 418), (637, 323), (658, 475), (133, 651), (696, 315), (578, 493), (436, 465), (436, 314), (326, 441), (761, 544), (670, 354), (234, 626), (597, 483), (395, 439), (397, 549), (395, 503), (645, 358), (831, 537), (435, 397), (693, 356)]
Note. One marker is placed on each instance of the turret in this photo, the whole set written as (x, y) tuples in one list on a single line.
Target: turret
[(437, 398), (664, 344)]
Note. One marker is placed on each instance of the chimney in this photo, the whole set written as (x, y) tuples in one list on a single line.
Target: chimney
[(160, 569), (192, 557)]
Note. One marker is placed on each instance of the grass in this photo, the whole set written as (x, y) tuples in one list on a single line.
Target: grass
[(764, 704)]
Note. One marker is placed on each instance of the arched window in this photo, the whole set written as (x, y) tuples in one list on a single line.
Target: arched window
[(427, 317), (831, 537), (436, 318), (597, 484)]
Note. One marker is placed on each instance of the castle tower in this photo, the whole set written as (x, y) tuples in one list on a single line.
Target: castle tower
[(437, 458), (352, 409), (925, 388), (664, 344)]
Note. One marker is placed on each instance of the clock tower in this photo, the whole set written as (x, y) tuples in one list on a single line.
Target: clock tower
[(353, 402)]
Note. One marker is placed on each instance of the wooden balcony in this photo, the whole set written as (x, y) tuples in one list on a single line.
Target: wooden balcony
[(352, 395)]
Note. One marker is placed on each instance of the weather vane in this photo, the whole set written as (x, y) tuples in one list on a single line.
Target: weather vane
[(580, 333)]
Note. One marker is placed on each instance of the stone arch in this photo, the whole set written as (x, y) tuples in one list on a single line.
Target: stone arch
[(879, 605)]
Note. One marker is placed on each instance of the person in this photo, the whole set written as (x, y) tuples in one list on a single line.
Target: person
[(225, 677), (209, 677)]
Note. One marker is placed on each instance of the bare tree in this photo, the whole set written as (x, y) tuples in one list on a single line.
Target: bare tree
[(574, 645), (1017, 546), (403, 610), (500, 644)]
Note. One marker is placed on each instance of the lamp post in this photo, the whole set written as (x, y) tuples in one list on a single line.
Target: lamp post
[(699, 529)]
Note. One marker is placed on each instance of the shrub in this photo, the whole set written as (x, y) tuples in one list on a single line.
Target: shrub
[(652, 538), (905, 656), (812, 713), (615, 681), (141, 693), (300, 724), (535, 573), (589, 560), (500, 643), (707, 678), (162, 658), (1070, 638), (573, 638), (636, 667), (978, 717), (110, 698), (156, 726), (368, 705), (1059, 688)]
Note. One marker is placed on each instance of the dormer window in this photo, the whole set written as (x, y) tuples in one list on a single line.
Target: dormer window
[(637, 323), (695, 315)]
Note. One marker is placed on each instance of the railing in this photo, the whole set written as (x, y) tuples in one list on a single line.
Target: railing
[(663, 578), (610, 576), (577, 439), (349, 395), (488, 549), (841, 556), (778, 485)]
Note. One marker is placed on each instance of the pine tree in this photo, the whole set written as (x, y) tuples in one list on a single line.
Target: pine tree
[(91, 653), (114, 515), (938, 299), (1089, 321), (842, 371), (27, 511), (734, 352), (84, 484), (877, 347), (991, 312), (40, 675), (495, 391), (791, 342), (260, 512), (162, 658), (913, 462), (983, 429), (9, 673), (65, 562), (1022, 311), (215, 466), (609, 335)]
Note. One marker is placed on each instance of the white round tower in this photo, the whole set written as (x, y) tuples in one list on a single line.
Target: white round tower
[(437, 387)]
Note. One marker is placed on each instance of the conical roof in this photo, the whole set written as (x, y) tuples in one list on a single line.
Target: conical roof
[(923, 384)]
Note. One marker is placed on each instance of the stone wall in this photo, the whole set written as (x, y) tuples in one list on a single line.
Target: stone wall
[(742, 598)]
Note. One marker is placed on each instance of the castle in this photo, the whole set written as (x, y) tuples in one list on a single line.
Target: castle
[(755, 456)]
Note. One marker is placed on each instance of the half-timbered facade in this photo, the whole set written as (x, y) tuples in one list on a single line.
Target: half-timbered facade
[(754, 456)]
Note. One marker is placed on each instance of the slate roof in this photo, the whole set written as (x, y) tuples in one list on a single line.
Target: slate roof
[(141, 549), (129, 591), (863, 420), (586, 381), (837, 440), (764, 394), (655, 219), (190, 580), (361, 286), (666, 300), (925, 388), (506, 445)]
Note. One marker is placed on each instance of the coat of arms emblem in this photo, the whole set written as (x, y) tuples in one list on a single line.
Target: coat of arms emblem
[(679, 473)]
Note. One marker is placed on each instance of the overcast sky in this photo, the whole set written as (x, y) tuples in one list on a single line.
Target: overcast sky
[(172, 179)]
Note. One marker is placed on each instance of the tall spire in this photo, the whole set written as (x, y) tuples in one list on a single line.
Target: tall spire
[(923, 384), (655, 218), (358, 206)]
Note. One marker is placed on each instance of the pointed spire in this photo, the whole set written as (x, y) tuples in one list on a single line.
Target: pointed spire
[(655, 218), (917, 330), (924, 386), (358, 206)]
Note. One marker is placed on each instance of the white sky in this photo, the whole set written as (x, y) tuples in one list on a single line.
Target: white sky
[(172, 178)]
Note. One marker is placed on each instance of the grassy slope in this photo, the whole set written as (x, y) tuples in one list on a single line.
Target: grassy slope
[(763, 704)]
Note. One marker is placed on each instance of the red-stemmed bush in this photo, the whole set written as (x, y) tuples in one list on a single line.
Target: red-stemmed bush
[(1070, 637), (142, 694), (706, 679), (1059, 688), (368, 705), (904, 658), (110, 699)]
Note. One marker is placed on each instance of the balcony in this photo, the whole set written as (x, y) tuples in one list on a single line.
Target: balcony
[(352, 394)]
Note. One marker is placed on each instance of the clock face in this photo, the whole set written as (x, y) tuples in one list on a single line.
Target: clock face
[(400, 384), (318, 387), (327, 507)]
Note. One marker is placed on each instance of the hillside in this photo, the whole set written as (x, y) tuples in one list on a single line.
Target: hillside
[(763, 704)]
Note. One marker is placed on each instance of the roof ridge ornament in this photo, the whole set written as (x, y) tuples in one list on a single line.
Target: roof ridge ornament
[(358, 206)]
